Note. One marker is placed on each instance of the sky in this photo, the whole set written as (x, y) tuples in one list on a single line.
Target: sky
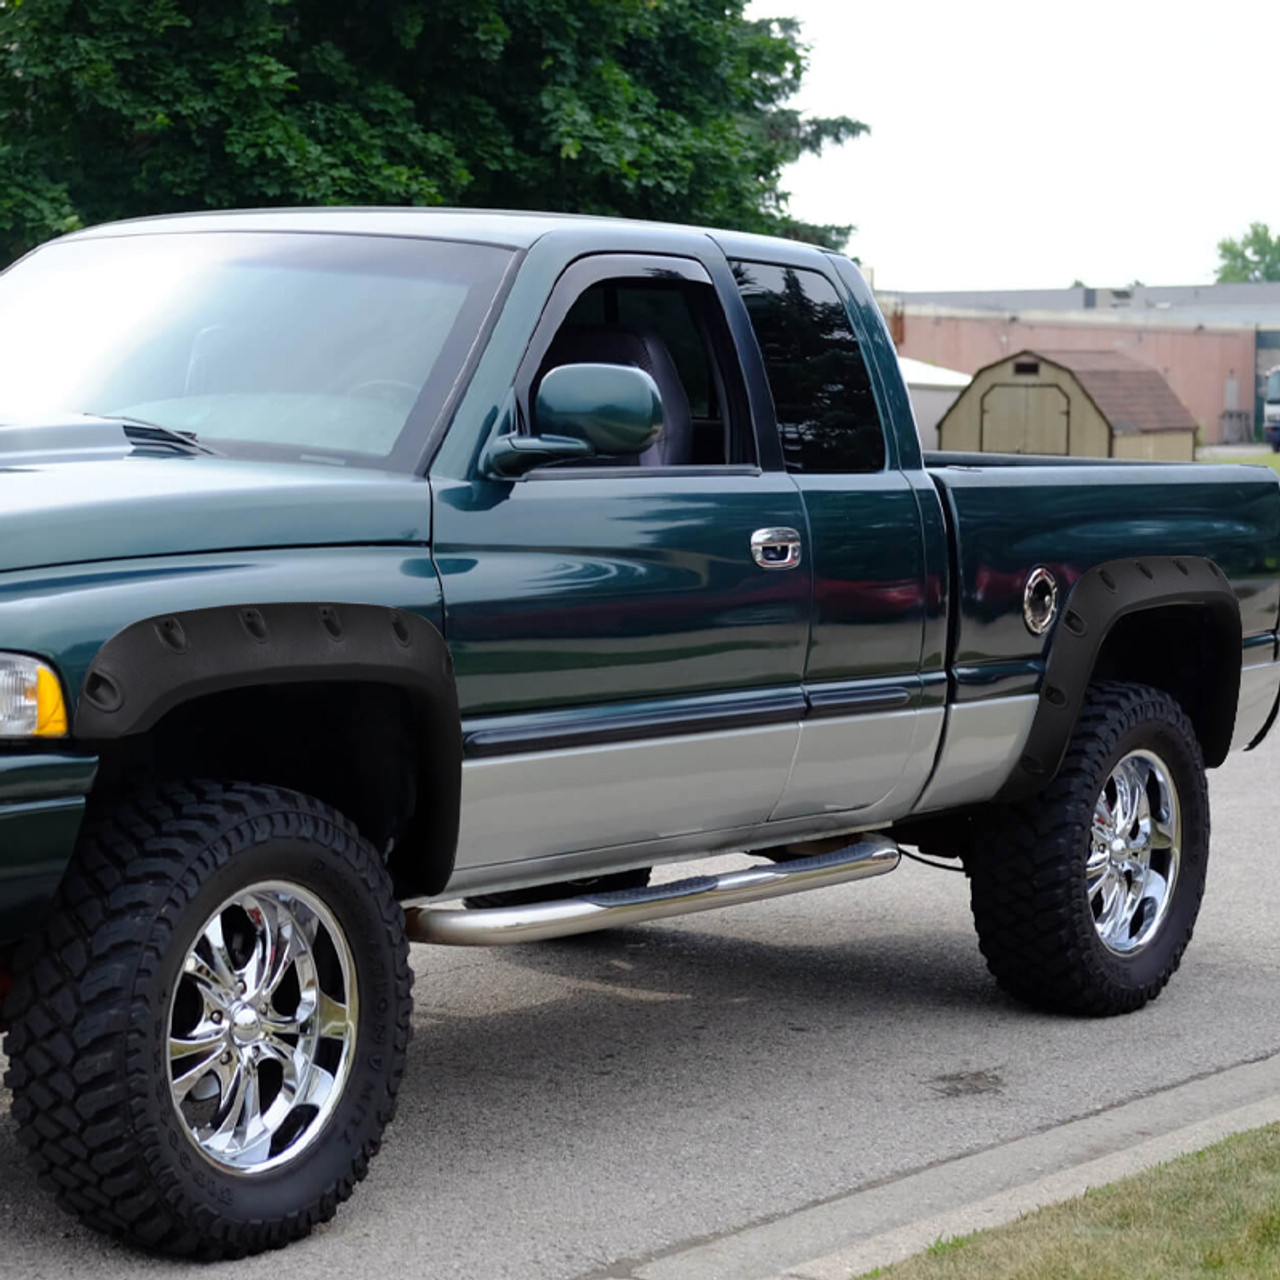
[(1028, 145)]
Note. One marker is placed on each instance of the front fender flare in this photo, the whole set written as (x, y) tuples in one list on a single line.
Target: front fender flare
[(1101, 597), (152, 666)]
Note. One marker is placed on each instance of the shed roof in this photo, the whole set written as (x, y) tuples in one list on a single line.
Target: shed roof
[(1132, 397), (919, 373)]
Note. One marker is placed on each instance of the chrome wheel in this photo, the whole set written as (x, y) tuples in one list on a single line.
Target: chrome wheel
[(262, 1027), (1134, 851)]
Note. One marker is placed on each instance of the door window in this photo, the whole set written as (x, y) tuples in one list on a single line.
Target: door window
[(822, 393), (676, 332)]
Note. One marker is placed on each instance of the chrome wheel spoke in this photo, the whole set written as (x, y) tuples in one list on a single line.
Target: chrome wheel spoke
[(226, 976), (264, 915), (1103, 827), (1098, 866), (1155, 889), (1128, 798), (275, 1025), (290, 947), (1109, 894), (198, 1041), (231, 1107), (332, 1018), (318, 1088), (256, 1148), (190, 1064), (216, 991), (287, 1056), (1164, 831)]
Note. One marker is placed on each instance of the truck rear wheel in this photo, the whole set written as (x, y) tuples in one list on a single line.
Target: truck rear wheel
[(1085, 896), (208, 1034)]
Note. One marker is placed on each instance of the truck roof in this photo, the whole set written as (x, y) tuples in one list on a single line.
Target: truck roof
[(509, 228)]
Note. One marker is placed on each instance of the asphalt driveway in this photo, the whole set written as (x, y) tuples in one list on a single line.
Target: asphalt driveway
[(572, 1105)]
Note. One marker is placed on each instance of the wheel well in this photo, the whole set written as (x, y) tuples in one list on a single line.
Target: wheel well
[(1183, 650), (355, 745)]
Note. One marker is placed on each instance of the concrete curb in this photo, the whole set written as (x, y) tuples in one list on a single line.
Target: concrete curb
[(996, 1210), (850, 1234)]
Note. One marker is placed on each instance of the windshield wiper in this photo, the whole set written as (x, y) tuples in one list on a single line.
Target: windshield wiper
[(155, 433)]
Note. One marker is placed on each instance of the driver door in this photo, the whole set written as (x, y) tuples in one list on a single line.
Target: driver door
[(629, 669)]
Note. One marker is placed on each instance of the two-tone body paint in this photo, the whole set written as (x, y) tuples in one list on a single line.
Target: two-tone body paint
[(887, 621), (604, 592), (1007, 516), (627, 605)]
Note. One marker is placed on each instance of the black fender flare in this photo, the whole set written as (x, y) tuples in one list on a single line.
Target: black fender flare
[(1101, 598), (152, 666)]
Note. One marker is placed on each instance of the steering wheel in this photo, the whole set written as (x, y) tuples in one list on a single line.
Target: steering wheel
[(390, 391)]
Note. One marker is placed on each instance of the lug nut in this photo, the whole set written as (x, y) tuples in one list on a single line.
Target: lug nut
[(217, 1017)]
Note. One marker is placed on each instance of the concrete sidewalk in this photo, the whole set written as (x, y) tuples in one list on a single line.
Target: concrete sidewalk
[(848, 1235), (1247, 450)]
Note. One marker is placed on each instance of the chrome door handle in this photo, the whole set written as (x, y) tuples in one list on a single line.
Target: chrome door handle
[(775, 548)]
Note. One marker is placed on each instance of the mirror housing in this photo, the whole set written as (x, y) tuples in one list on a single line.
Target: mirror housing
[(615, 408), (583, 410), (511, 455)]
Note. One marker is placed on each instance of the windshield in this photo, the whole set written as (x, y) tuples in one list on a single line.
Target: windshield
[(295, 346), (1273, 386)]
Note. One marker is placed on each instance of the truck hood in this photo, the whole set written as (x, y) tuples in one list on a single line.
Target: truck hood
[(71, 509)]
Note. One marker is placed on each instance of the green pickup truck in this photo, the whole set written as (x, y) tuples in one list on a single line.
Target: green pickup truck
[(376, 576)]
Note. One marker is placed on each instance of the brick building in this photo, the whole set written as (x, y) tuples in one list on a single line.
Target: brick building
[(1212, 343)]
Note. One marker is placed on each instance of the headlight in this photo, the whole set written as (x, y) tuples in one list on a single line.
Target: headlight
[(31, 702)]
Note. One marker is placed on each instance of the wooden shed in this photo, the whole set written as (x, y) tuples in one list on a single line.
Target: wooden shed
[(1094, 404)]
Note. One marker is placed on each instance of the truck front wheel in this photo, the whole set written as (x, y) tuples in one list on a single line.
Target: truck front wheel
[(1086, 895), (208, 1033)]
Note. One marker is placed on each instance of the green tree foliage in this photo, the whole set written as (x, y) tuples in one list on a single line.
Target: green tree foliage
[(666, 109), (1255, 256)]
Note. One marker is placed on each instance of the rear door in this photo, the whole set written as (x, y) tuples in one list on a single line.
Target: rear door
[(627, 667), (865, 541)]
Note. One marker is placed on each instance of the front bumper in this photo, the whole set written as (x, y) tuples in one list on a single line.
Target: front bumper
[(42, 800)]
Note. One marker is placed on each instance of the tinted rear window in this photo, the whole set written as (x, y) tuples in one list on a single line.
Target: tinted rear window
[(822, 393)]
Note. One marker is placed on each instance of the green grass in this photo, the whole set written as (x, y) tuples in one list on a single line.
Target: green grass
[(1263, 458), (1213, 1215)]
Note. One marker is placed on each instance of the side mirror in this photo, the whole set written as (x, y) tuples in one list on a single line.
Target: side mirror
[(615, 408), (581, 410)]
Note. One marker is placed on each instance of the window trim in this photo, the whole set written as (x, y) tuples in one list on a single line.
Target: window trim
[(629, 473), (579, 276), (869, 365)]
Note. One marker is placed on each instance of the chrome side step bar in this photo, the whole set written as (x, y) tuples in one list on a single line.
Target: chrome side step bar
[(873, 855)]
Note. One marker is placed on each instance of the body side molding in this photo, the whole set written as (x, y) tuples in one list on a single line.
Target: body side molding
[(1100, 599), (150, 667)]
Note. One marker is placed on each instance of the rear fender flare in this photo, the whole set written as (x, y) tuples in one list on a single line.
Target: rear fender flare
[(1100, 599), (152, 666)]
